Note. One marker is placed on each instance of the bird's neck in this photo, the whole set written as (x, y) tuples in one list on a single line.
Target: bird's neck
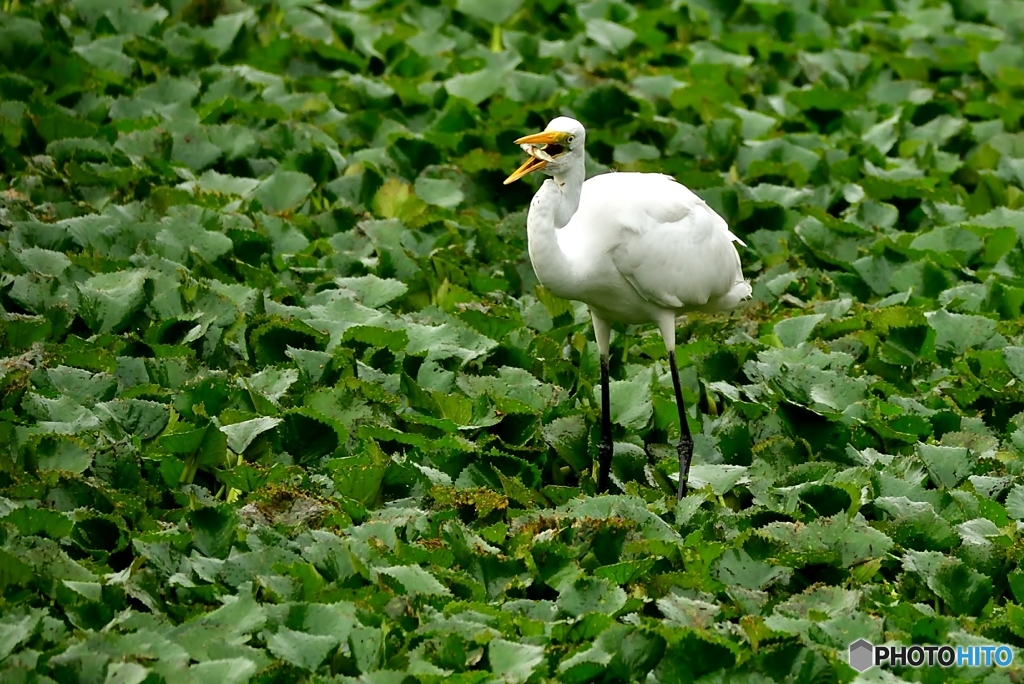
[(563, 192), (552, 207)]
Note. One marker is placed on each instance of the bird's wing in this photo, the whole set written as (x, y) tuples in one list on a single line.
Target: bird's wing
[(668, 244)]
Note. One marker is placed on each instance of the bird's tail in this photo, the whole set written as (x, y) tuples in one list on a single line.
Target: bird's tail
[(730, 300)]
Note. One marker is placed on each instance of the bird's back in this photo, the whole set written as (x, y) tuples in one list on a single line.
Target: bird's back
[(661, 238)]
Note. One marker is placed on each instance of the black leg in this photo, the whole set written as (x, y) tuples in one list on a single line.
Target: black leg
[(604, 449), (685, 440)]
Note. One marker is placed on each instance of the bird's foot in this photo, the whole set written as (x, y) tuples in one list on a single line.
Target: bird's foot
[(685, 451)]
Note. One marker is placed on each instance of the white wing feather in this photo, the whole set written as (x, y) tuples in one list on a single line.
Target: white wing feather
[(665, 240)]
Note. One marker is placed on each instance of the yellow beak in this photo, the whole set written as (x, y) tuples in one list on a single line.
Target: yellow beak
[(542, 138), (533, 163)]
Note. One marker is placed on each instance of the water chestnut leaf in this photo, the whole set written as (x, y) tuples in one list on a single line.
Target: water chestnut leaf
[(596, 595), (372, 291), (496, 12), (611, 36), (514, 662), (107, 54), (1015, 360), (794, 331), (476, 86), (142, 418), (303, 650), (12, 633), (44, 261), (440, 192), (283, 191), (213, 530), (126, 673), (413, 580), (631, 403), (947, 465), (108, 299), (241, 435), (965, 590), (31, 521)]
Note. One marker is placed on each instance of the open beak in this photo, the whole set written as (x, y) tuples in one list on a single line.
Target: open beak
[(534, 163)]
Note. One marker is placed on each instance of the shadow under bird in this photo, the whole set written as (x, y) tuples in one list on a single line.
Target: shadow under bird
[(634, 247)]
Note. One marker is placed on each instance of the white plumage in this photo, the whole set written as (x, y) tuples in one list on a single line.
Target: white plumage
[(634, 247), (647, 231)]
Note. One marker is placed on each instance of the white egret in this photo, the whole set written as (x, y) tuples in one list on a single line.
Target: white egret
[(634, 247)]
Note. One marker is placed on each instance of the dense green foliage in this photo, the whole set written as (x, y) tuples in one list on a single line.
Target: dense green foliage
[(281, 399)]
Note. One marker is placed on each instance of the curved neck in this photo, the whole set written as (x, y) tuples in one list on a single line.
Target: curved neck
[(564, 191), (552, 207)]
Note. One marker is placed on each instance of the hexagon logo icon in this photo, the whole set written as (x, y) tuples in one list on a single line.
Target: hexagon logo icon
[(862, 655)]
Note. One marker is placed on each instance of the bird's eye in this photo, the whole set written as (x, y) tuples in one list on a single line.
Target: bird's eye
[(570, 139)]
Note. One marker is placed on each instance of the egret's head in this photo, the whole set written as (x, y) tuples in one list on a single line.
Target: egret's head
[(552, 150)]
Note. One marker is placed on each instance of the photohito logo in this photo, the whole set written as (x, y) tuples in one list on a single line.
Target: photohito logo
[(864, 655)]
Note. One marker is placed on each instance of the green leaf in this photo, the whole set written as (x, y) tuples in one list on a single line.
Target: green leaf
[(622, 651), (359, 477), (680, 611), (630, 152), (721, 478), (303, 650), (106, 54), (440, 192), (126, 673), (960, 332), (708, 53), (738, 568), (98, 533), (834, 541), (793, 331), (513, 662), (491, 11), (270, 342), (948, 466), (1015, 360), (241, 435), (44, 261), (915, 524), (139, 417), (632, 508), (567, 435), (631, 402), (308, 434), (950, 239), (625, 572), (109, 299), (81, 385), (311, 364), (371, 291), (272, 383), (15, 632), (184, 442), (13, 571), (609, 35), (213, 529), (415, 581), (63, 454), (29, 521), (476, 86), (222, 671), (283, 191), (1015, 502), (966, 591), (591, 595), (182, 237)]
